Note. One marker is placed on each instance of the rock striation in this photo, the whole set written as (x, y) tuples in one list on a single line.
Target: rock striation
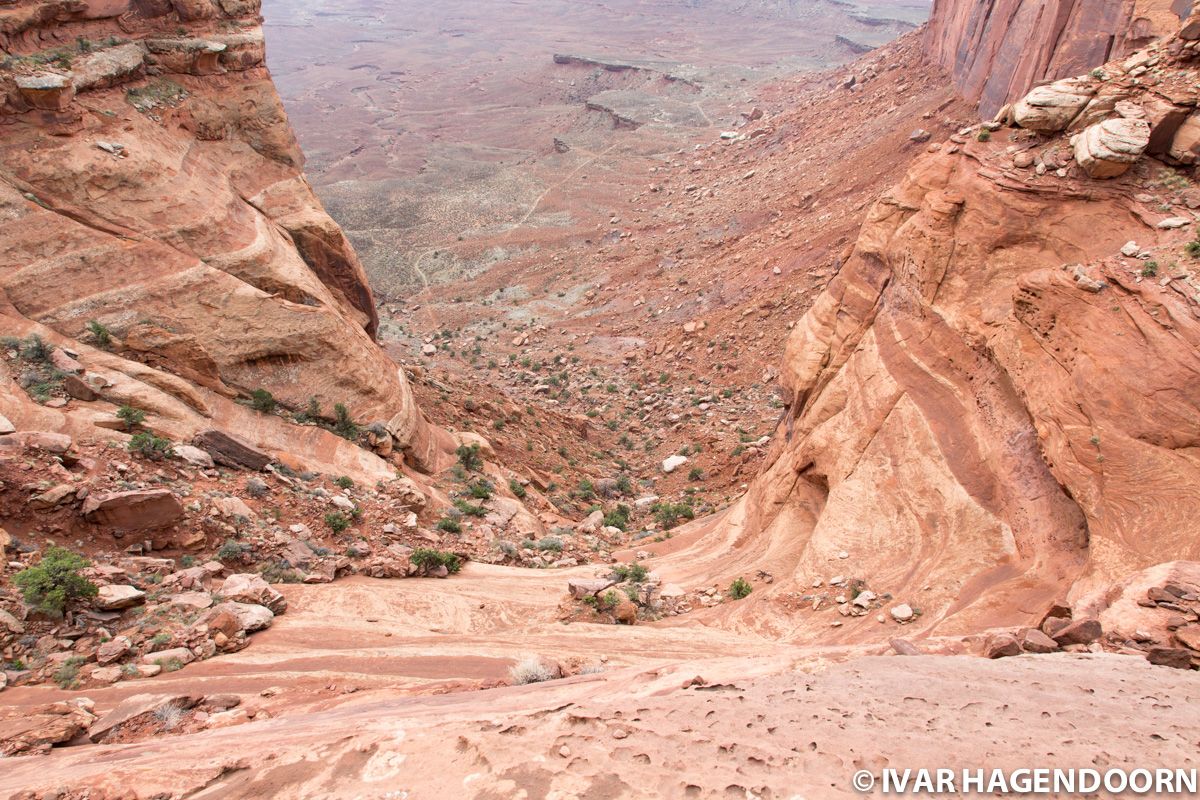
[(150, 182)]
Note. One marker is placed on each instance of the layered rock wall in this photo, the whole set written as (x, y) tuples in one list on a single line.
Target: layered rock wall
[(150, 182), (996, 50)]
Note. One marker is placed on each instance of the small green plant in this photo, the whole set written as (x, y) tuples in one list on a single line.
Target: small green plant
[(426, 558), (740, 588), (550, 543), (344, 481), (35, 349), (231, 550), (480, 489), (984, 135), (470, 509), (469, 458), (1150, 269), (54, 582), (262, 400), (516, 488), (696, 474), (343, 424), (449, 525), (160, 640), (149, 446), (617, 517), (132, 417), (611, 599), (337, 521), (634, 573), (67, 674), (311, 412), (101, 335), (670, 514)]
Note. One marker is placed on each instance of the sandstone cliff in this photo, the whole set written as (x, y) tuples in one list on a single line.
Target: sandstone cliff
[(996, 401), (149, 182), (996, 50)]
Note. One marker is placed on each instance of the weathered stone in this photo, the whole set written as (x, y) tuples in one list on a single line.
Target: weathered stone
[(672, 463), (113, 650), (230, 451), (1081, 631), (138, 705), (249, 588), (1108, 148), (181, 654), (1051, 108), (116, 597), (140, 509), (1001, 645), (583, 587), (1177, 657), (1034, 641), (194, 456)]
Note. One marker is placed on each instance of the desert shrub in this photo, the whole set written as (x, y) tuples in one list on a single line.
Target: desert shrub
[(449, 525), (147, 445), (1150, 269), (516, 488), (696, 474), (337, 521), (343, 425), (230, 550), (634, 573), (470, 509), (344, 481), (262, 400), (551, 543), (427, 558), (101, 335), (132, 417), (740, 588), (530, 670), (311, 412), (617, 517), (481, 489), (469, 458), (55, 581), (67, 674), (670, 514), (35, 349)]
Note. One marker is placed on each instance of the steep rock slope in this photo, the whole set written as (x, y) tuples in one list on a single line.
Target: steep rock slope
[(996, 50), (149, 181), (995, 402)]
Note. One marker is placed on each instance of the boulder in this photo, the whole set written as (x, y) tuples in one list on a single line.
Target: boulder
[(1051, 108), (114, 597), (194, 456), (1177, 657), (230, 451), (250, 617), (1001, 645), (140, 509), (10, 624), (1080, 631), (903, 613), (1034, 641), (903, 647), (672, 463), (1185, 144), (1189, 636), (113, 650), (78, 388), (181, 654), (249, 588), (626, 612), (105, 674), (138, 705), (1108, 148), (37, 729)]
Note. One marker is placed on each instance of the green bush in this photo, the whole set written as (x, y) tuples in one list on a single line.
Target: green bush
[(480, 489), (516, 488), (262, 400), (344, 481), (55, 581), (147, 445), (230, 550), (469, 458), (132, 417), (740, 588), (449, 525), (34, 348), (426, 558), (343, 425), (551, 543), (337, 521), (101, 335), (470, 509), (670, 514), (618, 517), (634, 573), (696, 474), (67, 674)]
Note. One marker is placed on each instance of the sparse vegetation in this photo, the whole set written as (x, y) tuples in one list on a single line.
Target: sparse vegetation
[(671, 514), (149, 446), (262, 400), (516, 488), (343, 425), (449, 525), (100, 334), (132, 417), (54, 582), (344, 482), (617, 517), (337, 521), (67, 674), (469, 458), (740, 588), (634, 573), (428, 559)]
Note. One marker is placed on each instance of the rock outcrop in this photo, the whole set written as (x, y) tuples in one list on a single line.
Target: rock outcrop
[(150, 182), (996, 50)]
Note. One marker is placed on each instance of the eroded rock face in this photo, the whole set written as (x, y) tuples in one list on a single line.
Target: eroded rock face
[(139, 509), (965, 414), (996, 50), (171, 208)]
